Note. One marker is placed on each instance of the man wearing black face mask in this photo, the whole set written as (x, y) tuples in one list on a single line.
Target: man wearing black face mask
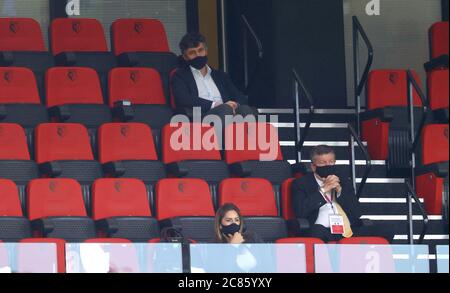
[(326, 200), (195, 84)]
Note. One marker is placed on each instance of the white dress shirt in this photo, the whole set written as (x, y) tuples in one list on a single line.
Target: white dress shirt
[(326, 210), (207, 88)]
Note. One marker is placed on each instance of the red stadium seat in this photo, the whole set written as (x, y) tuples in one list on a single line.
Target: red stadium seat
[(31, 259), (15, 163), (196, 153), (14, 225), (128, 150), (74, 95), (253, 150), (431, 175), (256, 200), (57, 210), (438, 94), (19, 98), (81, 42), (186, 204), (144, 89), (22, 45), (438, 46), (143, 43), (309, 249), (64, 150), (122, 210), (386, 107)]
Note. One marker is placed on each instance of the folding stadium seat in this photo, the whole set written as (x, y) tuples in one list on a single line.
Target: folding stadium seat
[(432, 174), (186, 204), (438, 35), (32, 260), (73, 95), (309, 249), (128, 150), (438, 94), (64, 151), (385, 124), (19, 98), (56, 210), (121, 209), (22, 45), (195, 159), (143, 42), (15, 163), (137, 95), (253, 150), (13, 225), (256, 200), (81, 42)]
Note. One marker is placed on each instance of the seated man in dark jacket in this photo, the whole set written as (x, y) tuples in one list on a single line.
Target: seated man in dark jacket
[(326, 200), (195, 84)]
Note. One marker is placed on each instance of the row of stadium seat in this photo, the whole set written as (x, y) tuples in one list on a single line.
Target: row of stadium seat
[(73, 94)]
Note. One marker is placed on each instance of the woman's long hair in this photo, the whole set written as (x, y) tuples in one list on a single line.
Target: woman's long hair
[(220, 237)]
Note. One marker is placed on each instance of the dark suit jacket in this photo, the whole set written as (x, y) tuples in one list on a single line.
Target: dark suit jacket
[(185, 89), (307, 199)]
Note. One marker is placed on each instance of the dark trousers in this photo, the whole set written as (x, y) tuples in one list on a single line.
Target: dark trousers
[(319, 231)]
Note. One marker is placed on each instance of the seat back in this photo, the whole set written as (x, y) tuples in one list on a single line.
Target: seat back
[(435, 144), (77, 35), (21, 35), (13, 143), (183, 198), (389, 88), (438, 89), (9, 199), (137, 85), (119, 198), (286, 200), (252, 142), (18, 86), (126, 141), (254, 197), (309, 249), (189, 141), (55, 198), (439, 39), (62, 142), (138, 35), (72, 85)]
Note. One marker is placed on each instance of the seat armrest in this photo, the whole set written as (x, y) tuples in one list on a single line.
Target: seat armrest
[(43, 226), (299, 226), (66, 59), (123, 111), (60, 113), (3, 112), (177, 169), (114, 169), (440, 170), (51, 169), (385, 115), (109, 226), (241, 169), (6, 58), (441, 61), (128, 59)]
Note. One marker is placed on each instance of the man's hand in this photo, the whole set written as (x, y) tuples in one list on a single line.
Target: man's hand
[(237, 238), (233, 105), (332, 182)]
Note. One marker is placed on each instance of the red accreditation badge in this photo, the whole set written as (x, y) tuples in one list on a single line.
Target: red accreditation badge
[(337, 224)]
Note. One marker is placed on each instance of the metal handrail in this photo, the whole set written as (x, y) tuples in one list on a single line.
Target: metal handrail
[(300, 139), (248, 28), (355, 138), (411, 194), (359, 82)]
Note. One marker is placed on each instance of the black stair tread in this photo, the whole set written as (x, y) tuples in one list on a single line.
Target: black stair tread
[(387, 209), (342, 152), (319, 118), (388, 190), (315, 134)]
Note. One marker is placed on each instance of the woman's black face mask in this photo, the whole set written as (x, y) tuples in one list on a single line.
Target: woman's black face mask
[(231, 229)]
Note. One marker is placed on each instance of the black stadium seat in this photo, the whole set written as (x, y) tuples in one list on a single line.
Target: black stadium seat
[(22, 45)]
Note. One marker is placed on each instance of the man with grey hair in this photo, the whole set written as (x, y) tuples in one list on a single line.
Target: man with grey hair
[(326, 199)]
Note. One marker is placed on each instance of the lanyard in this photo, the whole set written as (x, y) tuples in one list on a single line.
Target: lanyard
[(330, 201)]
